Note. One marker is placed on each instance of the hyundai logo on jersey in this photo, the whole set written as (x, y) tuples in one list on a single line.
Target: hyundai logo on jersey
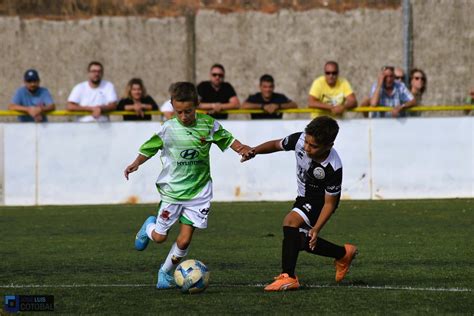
[(189, 154)]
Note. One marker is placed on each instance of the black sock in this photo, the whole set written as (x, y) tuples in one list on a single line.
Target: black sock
[(290, 250), (325, 248)]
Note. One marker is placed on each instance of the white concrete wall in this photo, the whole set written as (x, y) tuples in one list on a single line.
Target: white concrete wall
[(71, 163)]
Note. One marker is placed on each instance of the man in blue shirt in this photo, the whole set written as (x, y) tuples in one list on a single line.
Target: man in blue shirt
[(388, 92), (32, 99)]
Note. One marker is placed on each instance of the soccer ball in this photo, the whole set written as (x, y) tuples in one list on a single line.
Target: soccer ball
[(191, 276)]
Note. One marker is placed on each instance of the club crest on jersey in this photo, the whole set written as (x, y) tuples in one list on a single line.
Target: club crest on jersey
[(165, 215), (319, 173)]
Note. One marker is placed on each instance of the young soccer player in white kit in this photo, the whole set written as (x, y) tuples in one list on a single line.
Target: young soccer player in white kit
[(184, 183)]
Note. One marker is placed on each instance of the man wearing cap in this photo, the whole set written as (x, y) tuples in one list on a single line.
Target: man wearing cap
[(32, 99), (95, 95)]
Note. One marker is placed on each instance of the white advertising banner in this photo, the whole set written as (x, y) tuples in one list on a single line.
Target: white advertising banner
[(74, 163)]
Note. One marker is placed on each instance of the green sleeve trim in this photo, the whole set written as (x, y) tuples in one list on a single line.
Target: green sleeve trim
[(151, 146), (223, 139)]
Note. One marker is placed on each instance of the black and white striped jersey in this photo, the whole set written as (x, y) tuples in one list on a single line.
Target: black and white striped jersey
[(314, 179)]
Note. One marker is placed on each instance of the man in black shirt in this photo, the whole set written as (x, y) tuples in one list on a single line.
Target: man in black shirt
[(217, 95), (268, 100), (319, 178)]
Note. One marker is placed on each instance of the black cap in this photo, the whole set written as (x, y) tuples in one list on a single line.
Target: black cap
[(31, 75)]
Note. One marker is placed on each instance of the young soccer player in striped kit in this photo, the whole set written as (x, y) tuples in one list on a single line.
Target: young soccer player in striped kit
[(185, 183)]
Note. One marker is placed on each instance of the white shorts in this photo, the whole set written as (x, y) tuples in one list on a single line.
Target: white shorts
[(193, 214)]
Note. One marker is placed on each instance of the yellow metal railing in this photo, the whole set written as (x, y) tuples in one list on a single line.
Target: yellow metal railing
[(364, 109)]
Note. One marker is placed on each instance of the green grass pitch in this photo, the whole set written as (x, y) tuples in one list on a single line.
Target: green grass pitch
[(415, 257)]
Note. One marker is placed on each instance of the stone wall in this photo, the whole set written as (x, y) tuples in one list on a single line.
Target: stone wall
[(150, 48), (162, 43), (443, 38)]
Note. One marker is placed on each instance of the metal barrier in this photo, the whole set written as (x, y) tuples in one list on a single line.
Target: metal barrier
[(362, 109)]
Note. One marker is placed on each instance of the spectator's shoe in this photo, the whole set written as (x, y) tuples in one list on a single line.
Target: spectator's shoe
[(283, 282), (165, 280), (141, 240), (343, 264)]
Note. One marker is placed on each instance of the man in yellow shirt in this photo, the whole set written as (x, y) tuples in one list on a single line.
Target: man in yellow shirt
[(331, 92)]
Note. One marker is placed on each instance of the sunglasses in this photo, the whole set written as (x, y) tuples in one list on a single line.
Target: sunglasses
[(399, 78), (218, 75), (334, 73), (419, 78)]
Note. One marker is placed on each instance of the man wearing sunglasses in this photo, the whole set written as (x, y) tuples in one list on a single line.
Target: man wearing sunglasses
[(399, 74), (331, 92), (216, 95), (388, 92)]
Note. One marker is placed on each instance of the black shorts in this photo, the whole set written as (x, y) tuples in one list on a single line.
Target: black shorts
[(309, 209)]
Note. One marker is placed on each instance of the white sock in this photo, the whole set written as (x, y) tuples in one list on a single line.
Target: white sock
[(149, 230), (174, 258)]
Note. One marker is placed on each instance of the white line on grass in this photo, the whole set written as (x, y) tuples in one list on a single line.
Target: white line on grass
[(318, 286)]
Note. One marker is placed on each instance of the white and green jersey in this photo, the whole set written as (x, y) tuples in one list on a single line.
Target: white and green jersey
[(185, 155)]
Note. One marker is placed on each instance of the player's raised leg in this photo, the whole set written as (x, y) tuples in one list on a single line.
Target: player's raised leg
[(343, 264), (343, 255), (142, 238), (178, 251), (287, 280)]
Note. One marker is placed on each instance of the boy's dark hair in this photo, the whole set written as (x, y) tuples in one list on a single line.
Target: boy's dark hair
[(218, 66), (266, 78), (95, 63), (184, 92), (324, 129)]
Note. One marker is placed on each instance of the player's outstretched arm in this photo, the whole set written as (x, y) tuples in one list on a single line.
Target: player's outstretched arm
[(134, 165), (242, 149), (264, 148)]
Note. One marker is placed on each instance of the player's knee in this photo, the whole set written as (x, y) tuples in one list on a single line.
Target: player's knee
[(158, 238), (183, 242), (291, 221)]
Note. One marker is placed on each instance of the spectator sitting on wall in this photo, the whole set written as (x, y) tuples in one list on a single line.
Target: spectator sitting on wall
[(399, 77), (418, 84), (268, 100), (331, 92), (470, 100), (167, 108), (399, 74), (32, 99), (136, 99), (387, 92), (94, 95), (217, 95)]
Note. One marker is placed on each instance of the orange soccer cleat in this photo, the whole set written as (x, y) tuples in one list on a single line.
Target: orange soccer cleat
[(343, 264), (283, 282)]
